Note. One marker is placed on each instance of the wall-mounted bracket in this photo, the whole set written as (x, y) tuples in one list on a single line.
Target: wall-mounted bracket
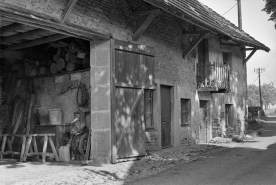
[(194, 44), (250, 55), (68, 10), (152, 15)]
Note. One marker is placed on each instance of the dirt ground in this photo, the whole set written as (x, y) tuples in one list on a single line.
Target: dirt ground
[(161, 162), (251, 162)]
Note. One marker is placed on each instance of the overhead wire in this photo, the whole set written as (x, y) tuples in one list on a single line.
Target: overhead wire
[(229, 9)]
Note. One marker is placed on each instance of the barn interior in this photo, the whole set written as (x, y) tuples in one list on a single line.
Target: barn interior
[(44, 91)]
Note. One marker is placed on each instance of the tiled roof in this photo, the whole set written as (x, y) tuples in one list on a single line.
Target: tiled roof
[(196, 13)]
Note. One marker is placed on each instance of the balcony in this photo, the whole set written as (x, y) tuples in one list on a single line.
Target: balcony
[(216, 80)]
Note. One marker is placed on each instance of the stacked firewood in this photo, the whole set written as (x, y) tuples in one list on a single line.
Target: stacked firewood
[(69, 57)]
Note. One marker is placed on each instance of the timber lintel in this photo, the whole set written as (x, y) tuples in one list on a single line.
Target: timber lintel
[(29, 34), (36, 42), (250, 55), (68, 10), (194, 44), (152, 15)]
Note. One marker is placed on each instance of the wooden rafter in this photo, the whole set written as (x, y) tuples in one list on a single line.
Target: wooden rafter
[(196, 42), (248, 49), (146, 12), (36, 42), (229, 44), (11, 28), (26, 35), (250, 55), (68, 9), (193, 32), (152, 15)]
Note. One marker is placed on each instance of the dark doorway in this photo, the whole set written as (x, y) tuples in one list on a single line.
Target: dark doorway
[(165, 116), (229, 115), (203, 119)]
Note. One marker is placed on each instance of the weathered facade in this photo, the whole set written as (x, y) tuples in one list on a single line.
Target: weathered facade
[(160, 74)]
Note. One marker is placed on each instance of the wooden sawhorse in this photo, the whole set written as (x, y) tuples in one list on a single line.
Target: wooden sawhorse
[(32, 139), (5, 140)]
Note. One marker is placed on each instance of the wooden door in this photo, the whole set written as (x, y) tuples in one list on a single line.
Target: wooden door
[(202, 125), (165, 116), (133, 72)]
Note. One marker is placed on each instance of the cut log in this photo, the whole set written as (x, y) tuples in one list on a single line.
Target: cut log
[(53, 68), (73, 48), (68, 57), (73, 59), (61, 64), (44, 71), (71, 66), (30, 70)]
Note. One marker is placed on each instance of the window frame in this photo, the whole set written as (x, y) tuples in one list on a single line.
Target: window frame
[(150, 91), (186, 113)]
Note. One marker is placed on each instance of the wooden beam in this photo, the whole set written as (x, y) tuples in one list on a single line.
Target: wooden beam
[(145, 25), (250, 55), (194, 32), (68, 10), (26, 35), (146, 12), (248, 49), (190, 49), (36, 42), (10, 28), (11, 54), (229, 44)]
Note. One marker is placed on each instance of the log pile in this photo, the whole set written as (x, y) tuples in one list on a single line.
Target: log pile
[(68, 57)]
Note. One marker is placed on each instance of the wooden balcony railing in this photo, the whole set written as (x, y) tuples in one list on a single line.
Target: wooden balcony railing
[(217, 78)]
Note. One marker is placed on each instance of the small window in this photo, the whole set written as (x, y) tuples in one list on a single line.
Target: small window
[(148, 100), (185, 112)]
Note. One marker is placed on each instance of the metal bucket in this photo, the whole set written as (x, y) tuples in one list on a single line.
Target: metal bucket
[(55, 116), (43, 114)]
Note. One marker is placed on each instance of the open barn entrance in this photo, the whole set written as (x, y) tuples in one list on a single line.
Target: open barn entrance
[(44, 86)]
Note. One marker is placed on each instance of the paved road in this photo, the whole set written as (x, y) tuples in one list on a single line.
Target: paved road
[(250, 163)]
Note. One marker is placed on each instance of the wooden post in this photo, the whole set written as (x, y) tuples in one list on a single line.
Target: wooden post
[(22, 154), (3, 146), (44, 148), (35, 148), (53, 148), (27, 147)]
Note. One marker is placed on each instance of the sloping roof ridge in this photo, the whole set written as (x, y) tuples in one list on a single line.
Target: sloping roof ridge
[(226, 20), (230, 25)]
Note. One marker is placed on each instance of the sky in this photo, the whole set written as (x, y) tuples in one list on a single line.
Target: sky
[(255, 23)]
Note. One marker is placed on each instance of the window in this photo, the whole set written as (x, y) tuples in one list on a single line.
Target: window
[(185, 112), (148, 100), (227, 58)]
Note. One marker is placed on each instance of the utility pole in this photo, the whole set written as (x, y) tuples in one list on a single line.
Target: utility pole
[(239, 14), (259, 71)]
